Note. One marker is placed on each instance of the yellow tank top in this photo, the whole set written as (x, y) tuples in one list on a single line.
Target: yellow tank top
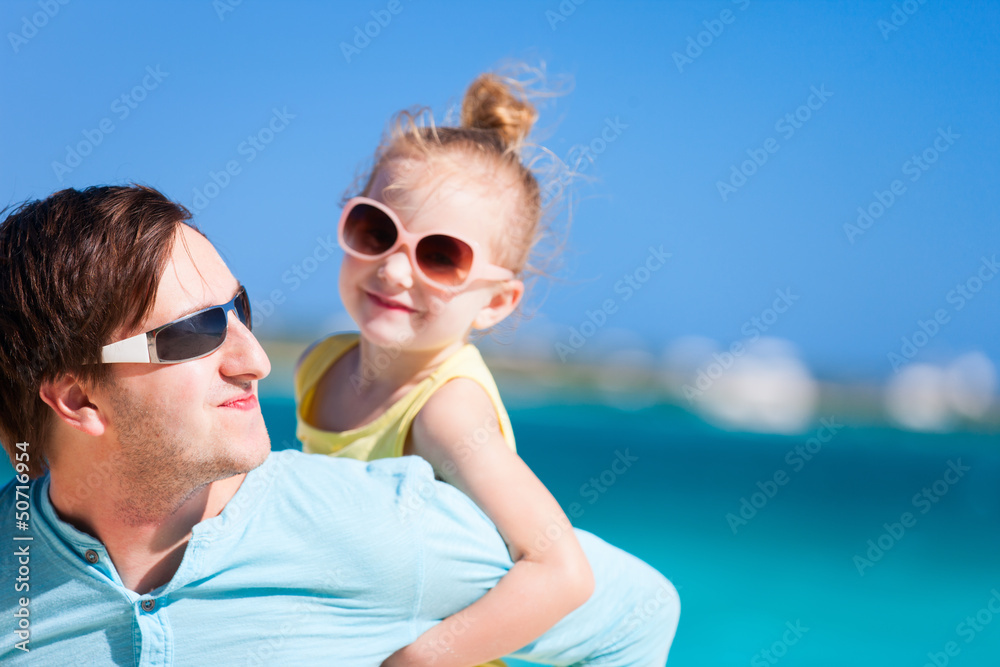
[(385, 436)]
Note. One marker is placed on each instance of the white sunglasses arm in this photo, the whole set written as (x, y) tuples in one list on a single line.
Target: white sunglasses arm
[(130, 350), (491, 272)]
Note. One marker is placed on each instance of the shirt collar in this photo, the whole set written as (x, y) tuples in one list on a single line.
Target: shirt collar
[(236, 512)]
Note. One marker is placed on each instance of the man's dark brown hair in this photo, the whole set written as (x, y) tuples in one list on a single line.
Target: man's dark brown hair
[(76, 269)]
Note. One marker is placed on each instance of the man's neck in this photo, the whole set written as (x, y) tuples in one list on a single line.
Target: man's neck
[(145, 547)]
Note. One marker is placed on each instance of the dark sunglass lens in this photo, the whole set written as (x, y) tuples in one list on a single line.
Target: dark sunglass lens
[(368, 230), (444, 259), (243, 309), (194, 337)]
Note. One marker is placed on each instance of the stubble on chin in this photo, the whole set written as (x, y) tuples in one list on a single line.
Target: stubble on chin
[(158, 470)]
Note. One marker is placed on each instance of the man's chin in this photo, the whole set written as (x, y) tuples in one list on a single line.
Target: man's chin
[(251, 447), (255, 455), (262, 455), (222, 469), (244, 455)]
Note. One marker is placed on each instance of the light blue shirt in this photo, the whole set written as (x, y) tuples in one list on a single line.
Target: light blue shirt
[(314, 561)]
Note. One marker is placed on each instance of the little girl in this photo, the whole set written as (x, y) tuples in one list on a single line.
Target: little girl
[(435, 245)]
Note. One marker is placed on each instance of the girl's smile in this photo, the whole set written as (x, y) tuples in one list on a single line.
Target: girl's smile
[(388, 303)]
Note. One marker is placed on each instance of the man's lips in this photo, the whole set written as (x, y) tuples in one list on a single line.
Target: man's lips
[(244, 402), (388, 304)]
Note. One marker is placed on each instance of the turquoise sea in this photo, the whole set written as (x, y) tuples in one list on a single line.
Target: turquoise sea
[(798, 582), (868, 552)]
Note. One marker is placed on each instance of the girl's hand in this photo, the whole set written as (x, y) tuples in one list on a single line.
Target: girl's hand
[(400, 659)]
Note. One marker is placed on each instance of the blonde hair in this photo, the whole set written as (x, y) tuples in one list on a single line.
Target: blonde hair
[(496, 119)]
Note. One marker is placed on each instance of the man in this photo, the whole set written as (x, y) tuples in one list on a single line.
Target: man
[(149, 523)]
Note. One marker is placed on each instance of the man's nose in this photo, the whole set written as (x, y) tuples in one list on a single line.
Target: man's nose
[(244, 355)]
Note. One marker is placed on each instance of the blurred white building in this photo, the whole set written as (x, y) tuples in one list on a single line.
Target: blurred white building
[(759, 386), (925, 397)]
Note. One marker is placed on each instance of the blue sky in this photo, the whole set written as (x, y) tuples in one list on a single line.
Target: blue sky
[(822, 106)]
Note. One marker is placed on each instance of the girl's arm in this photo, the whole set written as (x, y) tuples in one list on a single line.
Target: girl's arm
[(457, 432)]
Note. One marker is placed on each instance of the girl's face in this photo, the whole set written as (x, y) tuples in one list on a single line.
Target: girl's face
[(389, 301)]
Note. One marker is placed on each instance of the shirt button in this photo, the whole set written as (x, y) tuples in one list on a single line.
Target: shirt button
[(91, 556), (148, 605)]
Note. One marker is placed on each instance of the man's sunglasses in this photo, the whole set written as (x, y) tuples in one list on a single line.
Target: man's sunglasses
[(370, 230), (190, 337)]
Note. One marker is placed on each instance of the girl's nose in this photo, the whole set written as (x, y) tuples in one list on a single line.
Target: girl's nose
[(396, 269)]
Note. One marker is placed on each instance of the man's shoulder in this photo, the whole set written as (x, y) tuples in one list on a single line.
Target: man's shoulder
[(293, 462), (347, 481), (358, 506)]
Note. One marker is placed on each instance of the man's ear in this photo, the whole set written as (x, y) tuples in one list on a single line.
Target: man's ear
[(502, 304), (71, 401)]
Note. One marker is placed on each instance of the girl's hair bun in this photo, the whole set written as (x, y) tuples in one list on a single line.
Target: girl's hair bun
[(493, 103)]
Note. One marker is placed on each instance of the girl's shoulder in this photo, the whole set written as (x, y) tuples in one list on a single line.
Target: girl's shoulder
[(463, 385), (319, 356)]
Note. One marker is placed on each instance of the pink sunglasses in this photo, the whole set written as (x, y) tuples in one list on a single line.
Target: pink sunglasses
[(370, 230)]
